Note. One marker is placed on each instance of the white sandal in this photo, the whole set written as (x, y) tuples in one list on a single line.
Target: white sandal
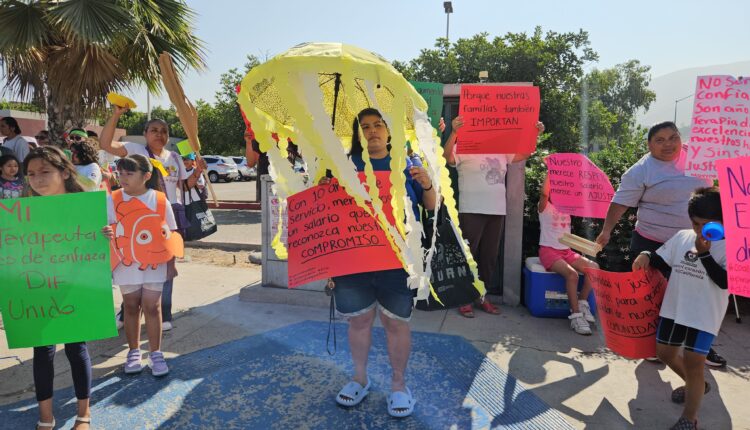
[(83, 420), (354, 393), (46, 425), (401, 403)]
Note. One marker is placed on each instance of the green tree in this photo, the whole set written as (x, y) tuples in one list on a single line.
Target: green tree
[(614, 96), (71, 53), (553, 61), (220, 125)]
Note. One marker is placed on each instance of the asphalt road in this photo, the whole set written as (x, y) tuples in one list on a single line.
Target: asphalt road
[(235, 190)]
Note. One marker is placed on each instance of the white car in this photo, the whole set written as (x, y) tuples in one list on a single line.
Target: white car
[(221, 168), (246, 173)]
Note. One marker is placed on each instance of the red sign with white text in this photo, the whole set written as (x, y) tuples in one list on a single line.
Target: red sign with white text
[(498, 119), (734, 180), (628, 308)]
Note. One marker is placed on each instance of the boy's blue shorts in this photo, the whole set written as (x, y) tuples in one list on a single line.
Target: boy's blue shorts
[(692, 339)]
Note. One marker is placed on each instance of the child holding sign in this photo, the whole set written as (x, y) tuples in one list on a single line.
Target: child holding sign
[(559, 258), (695, 301), (141, 230), (51, 173)]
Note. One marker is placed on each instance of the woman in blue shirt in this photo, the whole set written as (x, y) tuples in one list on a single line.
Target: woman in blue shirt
[(358, 295)]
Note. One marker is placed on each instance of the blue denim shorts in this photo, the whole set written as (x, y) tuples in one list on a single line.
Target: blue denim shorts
[(358, 293)]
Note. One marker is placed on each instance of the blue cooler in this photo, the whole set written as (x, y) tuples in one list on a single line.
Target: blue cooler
[(545, 294)]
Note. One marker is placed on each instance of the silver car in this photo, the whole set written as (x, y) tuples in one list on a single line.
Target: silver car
[(247, 173), (221, 168)]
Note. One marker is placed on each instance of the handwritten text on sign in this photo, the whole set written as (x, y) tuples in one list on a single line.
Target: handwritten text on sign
[(577, 186), (498, 119), (330, 235), (55, 276), (721, 123), (734, 180), (628, 306), (432, 93)]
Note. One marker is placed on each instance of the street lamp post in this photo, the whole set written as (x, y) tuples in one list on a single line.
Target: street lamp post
[(675, 106), (448, 11)]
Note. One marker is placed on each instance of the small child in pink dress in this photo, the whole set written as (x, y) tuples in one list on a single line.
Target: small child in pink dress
[(559, 258)]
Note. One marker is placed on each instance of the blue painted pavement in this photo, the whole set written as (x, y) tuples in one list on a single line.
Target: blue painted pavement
[(285, 379)]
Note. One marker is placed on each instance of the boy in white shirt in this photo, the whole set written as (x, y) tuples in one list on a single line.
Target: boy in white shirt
[(695, 301)]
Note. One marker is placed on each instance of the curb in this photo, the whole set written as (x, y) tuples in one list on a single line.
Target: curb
[(225, 246)]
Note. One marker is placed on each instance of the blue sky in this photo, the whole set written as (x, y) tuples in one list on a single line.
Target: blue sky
[(669, 35)]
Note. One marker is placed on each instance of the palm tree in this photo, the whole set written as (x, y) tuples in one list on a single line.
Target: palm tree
[(70, 53)]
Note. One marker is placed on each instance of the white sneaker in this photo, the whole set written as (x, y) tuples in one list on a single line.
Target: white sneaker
[(585, 309), (579, 324), (118, 322), (166, 326)]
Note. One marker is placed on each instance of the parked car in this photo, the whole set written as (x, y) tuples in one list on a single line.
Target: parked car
[(221, 168), (246, 173)]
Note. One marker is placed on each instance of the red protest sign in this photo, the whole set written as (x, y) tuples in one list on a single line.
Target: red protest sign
[(498, 119), (720, 125), (577, 186), (330, 235), (628, 307), (734, 179)]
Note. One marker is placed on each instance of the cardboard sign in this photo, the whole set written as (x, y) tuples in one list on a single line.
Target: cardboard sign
[(721, 123), (432, 93), (330, 235), (628, 307), (734, 180), (577, 186), (55, 279), (498, 119)]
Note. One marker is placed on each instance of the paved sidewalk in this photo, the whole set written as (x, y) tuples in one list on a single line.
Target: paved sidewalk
[(572, 374)]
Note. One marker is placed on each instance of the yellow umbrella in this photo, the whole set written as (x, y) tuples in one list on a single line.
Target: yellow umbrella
[(312, 93)]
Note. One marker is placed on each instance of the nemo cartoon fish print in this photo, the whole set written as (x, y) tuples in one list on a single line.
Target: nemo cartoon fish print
[(142, 235)]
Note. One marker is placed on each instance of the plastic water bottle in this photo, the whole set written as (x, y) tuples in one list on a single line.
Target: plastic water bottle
[(713, 231), (416, 161)]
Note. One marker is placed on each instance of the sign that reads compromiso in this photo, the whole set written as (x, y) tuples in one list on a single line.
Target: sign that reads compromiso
[(498, 119), (628, 306), (55, 276), (721, 123), (330, 235)]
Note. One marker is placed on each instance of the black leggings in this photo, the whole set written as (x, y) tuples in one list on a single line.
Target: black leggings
[(44, 370)]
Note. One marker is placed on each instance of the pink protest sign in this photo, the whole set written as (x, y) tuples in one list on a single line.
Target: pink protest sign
[(734, 180), (721, 123), (577, 186), (498, 119)]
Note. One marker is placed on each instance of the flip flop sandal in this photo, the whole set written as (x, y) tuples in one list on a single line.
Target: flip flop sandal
[(83, 420), (41, 425), (401, 403), (466, 311), (352, 394), (678, 395)]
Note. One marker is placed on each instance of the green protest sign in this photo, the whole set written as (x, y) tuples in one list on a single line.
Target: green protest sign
[(432, 93), (55, 276)]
